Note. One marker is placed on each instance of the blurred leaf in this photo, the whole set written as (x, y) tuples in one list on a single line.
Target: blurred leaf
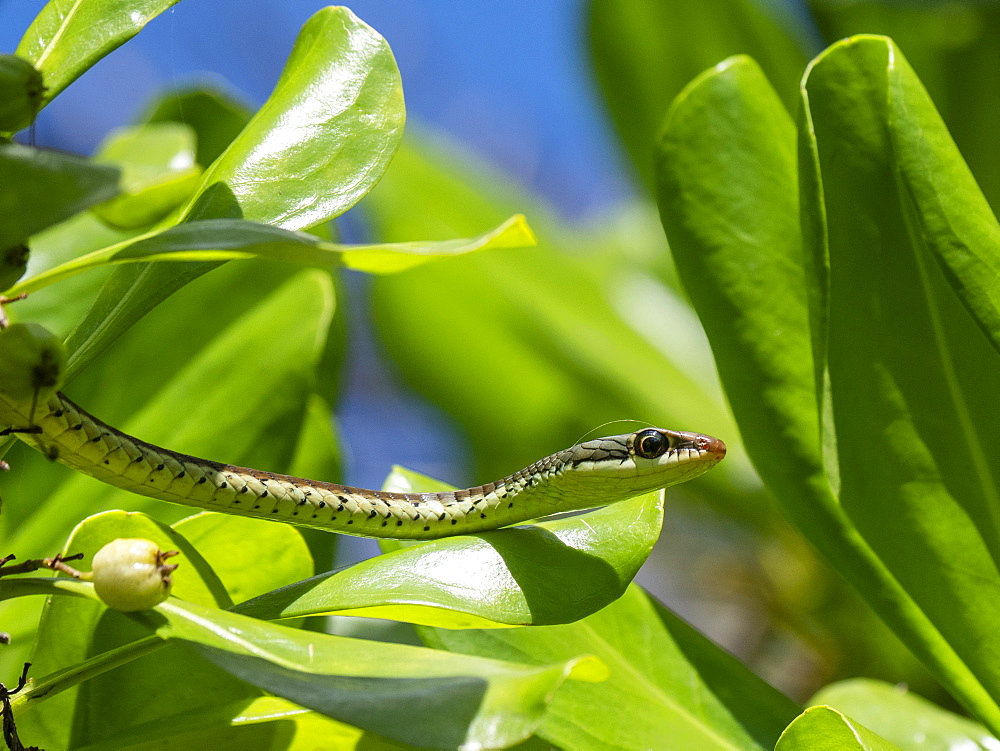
[(904, 718), (215, 117), (73, 629), (318, 144), (226, 239), (667, 681), (21, 92), (411, 694), (42, 188), (645, 51), (825, 729), (549, 572), (65, 39), (158, 172), (553, 359)]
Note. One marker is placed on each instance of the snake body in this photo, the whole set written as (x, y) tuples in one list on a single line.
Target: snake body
[(590, 474)]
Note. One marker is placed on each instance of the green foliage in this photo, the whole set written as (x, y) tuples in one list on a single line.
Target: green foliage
[(839, 255)]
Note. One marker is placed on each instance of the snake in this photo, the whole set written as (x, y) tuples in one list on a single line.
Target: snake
[(591, 474)]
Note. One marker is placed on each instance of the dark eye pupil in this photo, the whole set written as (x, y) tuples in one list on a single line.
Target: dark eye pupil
[(651, 444)]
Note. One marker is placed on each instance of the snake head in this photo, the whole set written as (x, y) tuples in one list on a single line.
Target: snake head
[(610, 469)]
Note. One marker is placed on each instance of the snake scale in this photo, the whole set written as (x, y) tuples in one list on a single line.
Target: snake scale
[(591, 474)]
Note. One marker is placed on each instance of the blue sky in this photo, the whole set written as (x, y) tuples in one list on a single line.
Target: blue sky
[(510, 80)]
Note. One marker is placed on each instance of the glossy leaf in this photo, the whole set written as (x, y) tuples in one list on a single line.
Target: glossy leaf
[(645, 51), (545, 573), (666, 681), (249, 556), (226, 239), (902, 717), (826, 729), (238, 413), (332, 122), (158, 172), (729, 197), (73, 629), (411, 694), (42, 188), (922, 370), (239, 410), (66, 38)]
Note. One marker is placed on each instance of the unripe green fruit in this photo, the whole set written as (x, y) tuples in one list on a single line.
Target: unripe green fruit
[(32, 362), (21, 93), (129, 574)]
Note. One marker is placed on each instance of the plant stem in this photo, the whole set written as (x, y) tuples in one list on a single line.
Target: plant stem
[(59, 681)]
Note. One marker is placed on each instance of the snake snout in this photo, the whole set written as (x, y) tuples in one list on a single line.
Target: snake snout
[(713, 446)]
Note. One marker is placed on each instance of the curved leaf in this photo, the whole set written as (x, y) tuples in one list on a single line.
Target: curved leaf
[(225, 239), (729, 198), (42, 188), (922, 370), (67, 37), (158, 172), (545, 573), (320, 142), (826, 729), (74, 629), (645, 51), (903, 718), (267, 722), (666, 681), (419, 696)]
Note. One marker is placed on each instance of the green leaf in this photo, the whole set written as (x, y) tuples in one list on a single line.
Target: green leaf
[(729, 199), (42, 188), (236, 548), (548, 572), (543, 333), (953, 47), (266, 722), (226, 239), (419, 696), (902, 717), (667, 682), (237, 412), (323, 137), (922, 370), (158, 172), (73, 629), (645, 51), (826, 729), (215, 116), (332, 122), (949, 212), (65, 39)]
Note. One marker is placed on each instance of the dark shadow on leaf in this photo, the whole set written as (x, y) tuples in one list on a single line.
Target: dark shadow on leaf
[(561, 584)]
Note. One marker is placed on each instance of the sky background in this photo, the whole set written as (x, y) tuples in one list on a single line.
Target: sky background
[(510, 80)]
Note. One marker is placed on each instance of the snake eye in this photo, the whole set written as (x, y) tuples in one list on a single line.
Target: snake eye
[(650, 444)]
